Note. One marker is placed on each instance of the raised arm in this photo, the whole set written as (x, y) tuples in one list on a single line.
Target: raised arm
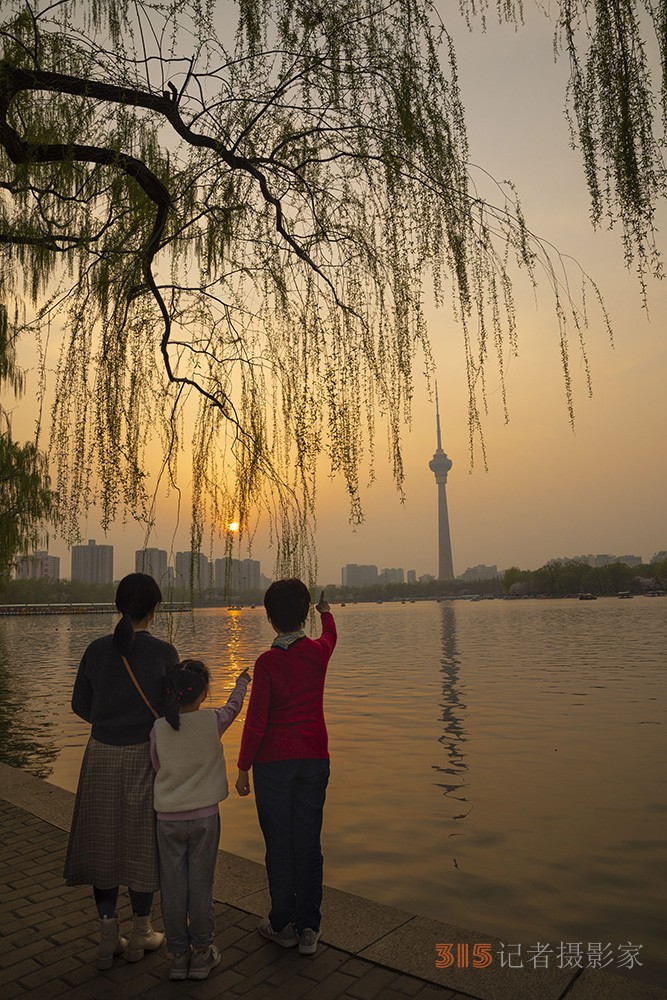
[(231, 709)]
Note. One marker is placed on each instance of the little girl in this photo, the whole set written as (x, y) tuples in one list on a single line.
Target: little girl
[(190, 782)]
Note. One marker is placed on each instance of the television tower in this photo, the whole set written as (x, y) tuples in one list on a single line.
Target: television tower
[(440, 465)]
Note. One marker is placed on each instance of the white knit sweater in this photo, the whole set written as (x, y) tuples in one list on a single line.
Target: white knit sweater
[(192, 763)]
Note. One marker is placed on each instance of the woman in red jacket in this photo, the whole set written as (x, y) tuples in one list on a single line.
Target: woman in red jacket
[(285, 741)]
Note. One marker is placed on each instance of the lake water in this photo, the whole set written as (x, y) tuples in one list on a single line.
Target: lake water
[(498, 765)]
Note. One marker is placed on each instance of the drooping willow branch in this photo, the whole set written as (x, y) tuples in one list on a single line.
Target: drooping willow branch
[(13, 80)]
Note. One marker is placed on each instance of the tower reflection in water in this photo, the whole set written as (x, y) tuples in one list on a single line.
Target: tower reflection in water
[(453, 772)]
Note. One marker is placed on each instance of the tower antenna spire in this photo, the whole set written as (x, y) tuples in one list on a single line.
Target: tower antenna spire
[(440, 465)]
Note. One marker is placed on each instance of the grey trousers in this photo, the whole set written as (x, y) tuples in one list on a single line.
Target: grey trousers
[(188, 849)]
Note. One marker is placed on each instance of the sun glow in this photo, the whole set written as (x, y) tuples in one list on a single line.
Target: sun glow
[(233, 526)]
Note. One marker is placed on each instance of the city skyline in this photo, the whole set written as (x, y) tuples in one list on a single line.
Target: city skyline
[(237, 575)]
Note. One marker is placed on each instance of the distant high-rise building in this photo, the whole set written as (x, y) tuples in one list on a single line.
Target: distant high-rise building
[(264, 582), (153, 562), (38, 566), (237, 575), (391, 576), (603, 559), (92, 563), (192, 569), (412, 576), (659, 556), (426, 578), (359, 576), (480, 572), (440, 465)]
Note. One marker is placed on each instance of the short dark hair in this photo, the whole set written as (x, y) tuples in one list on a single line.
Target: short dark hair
[(287, 604)]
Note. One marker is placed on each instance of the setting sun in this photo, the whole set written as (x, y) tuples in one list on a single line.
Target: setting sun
[(234, 526)]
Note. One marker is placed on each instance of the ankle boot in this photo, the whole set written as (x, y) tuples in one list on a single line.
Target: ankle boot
[(111, 942), (143, 938)]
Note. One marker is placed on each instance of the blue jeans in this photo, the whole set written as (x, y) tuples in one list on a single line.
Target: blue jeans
[(290, 798)]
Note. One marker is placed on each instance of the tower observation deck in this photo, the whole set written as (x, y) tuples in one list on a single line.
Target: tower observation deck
[(440, 465)]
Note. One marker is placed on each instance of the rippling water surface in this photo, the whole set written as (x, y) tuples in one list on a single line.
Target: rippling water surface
[(499, 765)]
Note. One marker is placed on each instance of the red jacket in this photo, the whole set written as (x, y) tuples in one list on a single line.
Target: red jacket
[(285, 717)]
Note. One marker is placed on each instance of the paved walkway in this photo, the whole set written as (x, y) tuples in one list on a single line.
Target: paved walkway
[(48, 936)]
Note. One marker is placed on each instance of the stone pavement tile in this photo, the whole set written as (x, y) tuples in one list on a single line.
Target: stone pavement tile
[(237, 877), (407, 986), (323, 962), (412, 949), (169, 990), (357, 967), (55, 988), (294, 989), (431, 992), (247, 984), (12, 956), (336, 985), (440, 993), (264, 991), (371, 986), (230, 956), (225, 981), (596, 984), (229, 936), (348, 922), (37, 797), (16, 972), (261, 958)]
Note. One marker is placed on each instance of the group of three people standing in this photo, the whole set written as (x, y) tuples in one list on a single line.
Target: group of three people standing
[(153, 774)]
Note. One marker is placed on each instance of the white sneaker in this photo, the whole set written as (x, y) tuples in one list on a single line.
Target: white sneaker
[(308, 941), (286, 938), (201, 962)]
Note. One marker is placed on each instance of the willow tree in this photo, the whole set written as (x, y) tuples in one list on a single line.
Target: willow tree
[(26, 500), (238, 209)]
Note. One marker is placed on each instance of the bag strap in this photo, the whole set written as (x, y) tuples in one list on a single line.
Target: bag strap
[(138, 686)]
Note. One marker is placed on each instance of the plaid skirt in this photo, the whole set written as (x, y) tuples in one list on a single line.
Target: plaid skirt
[(112, 840)]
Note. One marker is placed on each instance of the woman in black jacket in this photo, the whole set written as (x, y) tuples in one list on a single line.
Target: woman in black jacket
[(112, 838)]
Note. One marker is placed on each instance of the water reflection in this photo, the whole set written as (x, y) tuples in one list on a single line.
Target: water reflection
[(24, 729), (453, 706)]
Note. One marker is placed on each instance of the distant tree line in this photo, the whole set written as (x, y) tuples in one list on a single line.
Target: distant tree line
[(555, 579), (558, 579)]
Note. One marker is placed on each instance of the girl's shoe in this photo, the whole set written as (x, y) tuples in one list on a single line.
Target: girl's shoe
[(143, 938), (201, 962), (286, 938), (308, 941), (111, 942), (179, 966)]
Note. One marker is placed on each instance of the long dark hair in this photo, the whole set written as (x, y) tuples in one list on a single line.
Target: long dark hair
[(137, 595), (184, 685)]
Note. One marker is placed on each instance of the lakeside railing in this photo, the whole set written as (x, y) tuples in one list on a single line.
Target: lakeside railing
[(88, 608)]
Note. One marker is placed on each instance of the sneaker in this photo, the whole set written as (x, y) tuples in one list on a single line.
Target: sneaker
[(308, 941), (179, 966), (286, 938), (201, 962)]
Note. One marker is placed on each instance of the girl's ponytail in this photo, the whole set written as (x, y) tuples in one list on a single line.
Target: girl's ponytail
[(123, 634), (185, 684)]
